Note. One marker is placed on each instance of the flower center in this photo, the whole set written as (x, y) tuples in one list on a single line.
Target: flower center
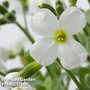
[(60, 36)]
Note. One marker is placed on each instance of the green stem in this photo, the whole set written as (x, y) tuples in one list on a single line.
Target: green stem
[(25, 32), (68, 82), (72, 76), (24, 16), (23, 29)]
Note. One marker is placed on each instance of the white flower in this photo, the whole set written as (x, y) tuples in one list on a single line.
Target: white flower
[(57, 38), (11, 75)]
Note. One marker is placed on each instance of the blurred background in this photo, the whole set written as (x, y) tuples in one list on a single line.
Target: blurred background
[(12, 38)]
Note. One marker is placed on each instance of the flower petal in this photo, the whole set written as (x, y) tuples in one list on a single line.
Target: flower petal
[(44, 23), (72, 20), (44, 51), (72, 54)]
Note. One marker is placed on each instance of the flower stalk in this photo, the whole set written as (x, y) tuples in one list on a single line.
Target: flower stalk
[(25, 32), (72, 76)]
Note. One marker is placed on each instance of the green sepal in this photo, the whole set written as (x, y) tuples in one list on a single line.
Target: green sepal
[(5, 4), (3, 10), (10, 17), (47, 6), (30, 70), (72, 2), (59, 7)]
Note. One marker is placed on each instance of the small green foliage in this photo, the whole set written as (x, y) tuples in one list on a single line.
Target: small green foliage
[(72, 2), (3, 11), (29, 70), (3, 21), (49, 7), (6, 4), (88, 16), (10, 17), (89, 1), (83, 72), (7, 17), (59, 7)]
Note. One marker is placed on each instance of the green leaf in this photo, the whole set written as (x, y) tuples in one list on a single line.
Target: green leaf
[(58, 84), (84, 37), (48, 83), (87, 80), (40, 87), (59, 7), (53, 70), (89, 1), (47, 6), (72, 76), (88, 16), (83, 72), (72, 2)]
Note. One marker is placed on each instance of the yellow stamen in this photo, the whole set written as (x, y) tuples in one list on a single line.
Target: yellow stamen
[(60, 36)]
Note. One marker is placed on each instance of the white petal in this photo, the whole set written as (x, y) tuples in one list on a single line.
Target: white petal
[(11, 78), (44, 23), (72, 20), (44, 51), (11, 75), (72, 54)]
